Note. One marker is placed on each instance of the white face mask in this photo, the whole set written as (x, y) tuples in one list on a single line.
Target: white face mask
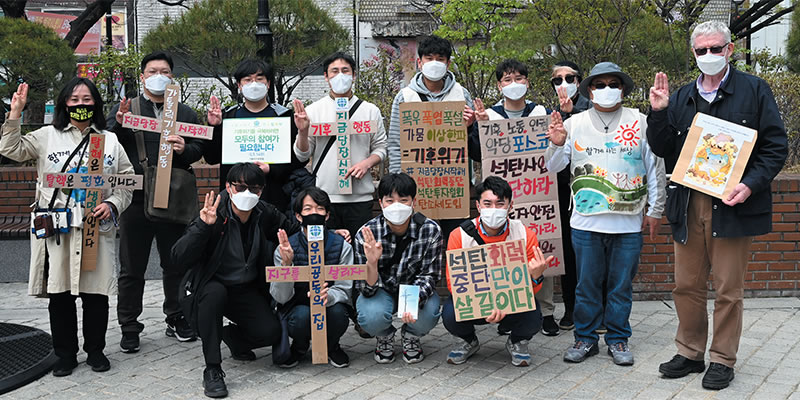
[(244, 201), (254, 91), (572, 88), (157, 84), (434, 70), (515, 91), (397, 213), (494, 218), (341, 83), (711, 64), (606, 97)]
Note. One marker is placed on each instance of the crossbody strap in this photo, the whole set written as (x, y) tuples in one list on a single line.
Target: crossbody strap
[(83, 143)]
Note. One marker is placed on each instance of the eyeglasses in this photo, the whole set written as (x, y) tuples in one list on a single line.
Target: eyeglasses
[(601, 85), (241, 187), (714, 50), (568, 78)]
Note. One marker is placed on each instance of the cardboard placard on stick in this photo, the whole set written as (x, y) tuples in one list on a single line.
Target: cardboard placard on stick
[(490, 277), (91, 237), (87, 181), (714, 156), (513, 149), (164, 163), (433, 139), (316, 273), (150, 124)]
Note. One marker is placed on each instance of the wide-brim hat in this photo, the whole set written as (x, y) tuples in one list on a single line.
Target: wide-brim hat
[(606, 68)]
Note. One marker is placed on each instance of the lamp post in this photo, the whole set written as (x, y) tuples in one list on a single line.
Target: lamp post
[(264, 35)]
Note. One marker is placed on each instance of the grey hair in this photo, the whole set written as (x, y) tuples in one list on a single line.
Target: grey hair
[(558, 67), (710, 28)]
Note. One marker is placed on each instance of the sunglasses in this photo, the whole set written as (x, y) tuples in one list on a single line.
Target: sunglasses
[(601, 85), (568, 78), (241, 187), (714, 50)]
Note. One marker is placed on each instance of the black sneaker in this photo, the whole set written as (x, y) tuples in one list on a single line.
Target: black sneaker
[(64, 366), (179, 328), (129, 342), (293, 360), (680, 366), (718, 376), (549, 326), (214, 382), (338, 358), (566, 322), (502, 330), (237, 353), (98, 361), (361, 332)]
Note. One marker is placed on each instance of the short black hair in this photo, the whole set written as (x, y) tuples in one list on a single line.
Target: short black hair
[(497, 185), (158, 55), (509, 66), (247, 173), (318, 195), (401, 183), (339, 55), (433, 44), (250, 66), (61, 115)]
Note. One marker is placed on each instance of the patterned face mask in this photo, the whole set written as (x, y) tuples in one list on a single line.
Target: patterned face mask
[(80, 112)]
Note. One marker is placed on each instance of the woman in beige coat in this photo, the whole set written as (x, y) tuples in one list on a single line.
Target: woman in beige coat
[(55, 267)]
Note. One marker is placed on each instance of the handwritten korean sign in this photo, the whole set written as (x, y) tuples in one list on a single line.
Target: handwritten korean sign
[(164, 162), (86, 181), (94, 197), (149, 124)]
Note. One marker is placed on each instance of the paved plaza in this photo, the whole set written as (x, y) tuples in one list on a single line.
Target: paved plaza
[(768, 366)]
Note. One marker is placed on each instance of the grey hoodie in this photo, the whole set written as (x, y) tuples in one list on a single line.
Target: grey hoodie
[(417, 85)]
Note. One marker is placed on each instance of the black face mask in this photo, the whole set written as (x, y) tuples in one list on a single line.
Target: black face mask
[(80, 112), (313, 219)]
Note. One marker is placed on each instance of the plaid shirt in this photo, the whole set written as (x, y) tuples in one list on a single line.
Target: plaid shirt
[(420, 264)]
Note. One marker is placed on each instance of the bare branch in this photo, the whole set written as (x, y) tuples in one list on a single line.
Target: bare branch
[(81, 25), (174, 3)]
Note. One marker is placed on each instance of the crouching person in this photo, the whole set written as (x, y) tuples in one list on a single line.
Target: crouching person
[(227, 247), (312, 206)]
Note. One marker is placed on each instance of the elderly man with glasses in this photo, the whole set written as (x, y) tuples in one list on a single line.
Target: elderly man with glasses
[(711, 234)]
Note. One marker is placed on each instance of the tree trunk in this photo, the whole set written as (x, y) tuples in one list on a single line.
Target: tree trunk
[(81, 25), (13, 8)]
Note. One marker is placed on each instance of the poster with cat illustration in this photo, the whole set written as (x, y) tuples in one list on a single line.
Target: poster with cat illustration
[(714, 155)]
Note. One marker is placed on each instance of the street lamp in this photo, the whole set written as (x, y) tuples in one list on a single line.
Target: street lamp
[(264, 35)]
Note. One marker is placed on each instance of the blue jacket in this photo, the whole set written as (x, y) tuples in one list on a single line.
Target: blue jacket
[(743, 99)]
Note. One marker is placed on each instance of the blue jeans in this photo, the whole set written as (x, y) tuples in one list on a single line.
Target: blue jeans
[(615, 259), (375, 314), (522, 325), (299, 324)]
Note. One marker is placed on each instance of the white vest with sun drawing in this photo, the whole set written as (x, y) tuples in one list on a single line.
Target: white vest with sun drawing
[(608, 169)]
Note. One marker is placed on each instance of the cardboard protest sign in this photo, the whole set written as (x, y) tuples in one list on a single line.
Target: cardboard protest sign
[(164, 163), (714, 156), (433, 139), (408, 301), (91, 237), (490, 277), (142, 123), (86, 181), (513, 149), (256, 139)]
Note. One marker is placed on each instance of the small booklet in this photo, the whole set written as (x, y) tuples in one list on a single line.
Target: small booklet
[(408, 301)]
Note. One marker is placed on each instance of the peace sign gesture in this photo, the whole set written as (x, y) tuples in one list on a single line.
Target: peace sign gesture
[(285, 248), (124, 107), (555, 131), (18, 101), (564, 101), (372, 248), (300, 117), (480, 110), (214, 111), (538, 263), (659, 92), (209, 212)]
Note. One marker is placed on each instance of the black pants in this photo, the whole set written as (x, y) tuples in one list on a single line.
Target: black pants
[(247, 306), (136, 236), (522, 326), (350, 216), (64, 323)]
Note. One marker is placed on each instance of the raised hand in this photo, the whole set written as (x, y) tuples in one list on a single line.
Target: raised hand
[(480, 110), (372, 248), (659, 92), (124, 108), (555, 131), (209, 212), (538, 263), (564, 101), (469, 115), (18, 101), (214, 114), (284, 248), (300, 117)]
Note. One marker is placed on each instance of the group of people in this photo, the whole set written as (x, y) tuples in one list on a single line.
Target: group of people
[(214, 267)]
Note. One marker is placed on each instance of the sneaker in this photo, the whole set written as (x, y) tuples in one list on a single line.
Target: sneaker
[(338, 358), (129, 342), (718, 376), (214, 382), (549, 326), (680, 366), (580, 351), (460, 354), (412, 349), (384, 349), (98, 361), (621, 353), (361, 332), (64, 366), (237, 353), (502, 330), (566, 322), (602, 330), (292, 361), (179, 328), (520, 356)]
